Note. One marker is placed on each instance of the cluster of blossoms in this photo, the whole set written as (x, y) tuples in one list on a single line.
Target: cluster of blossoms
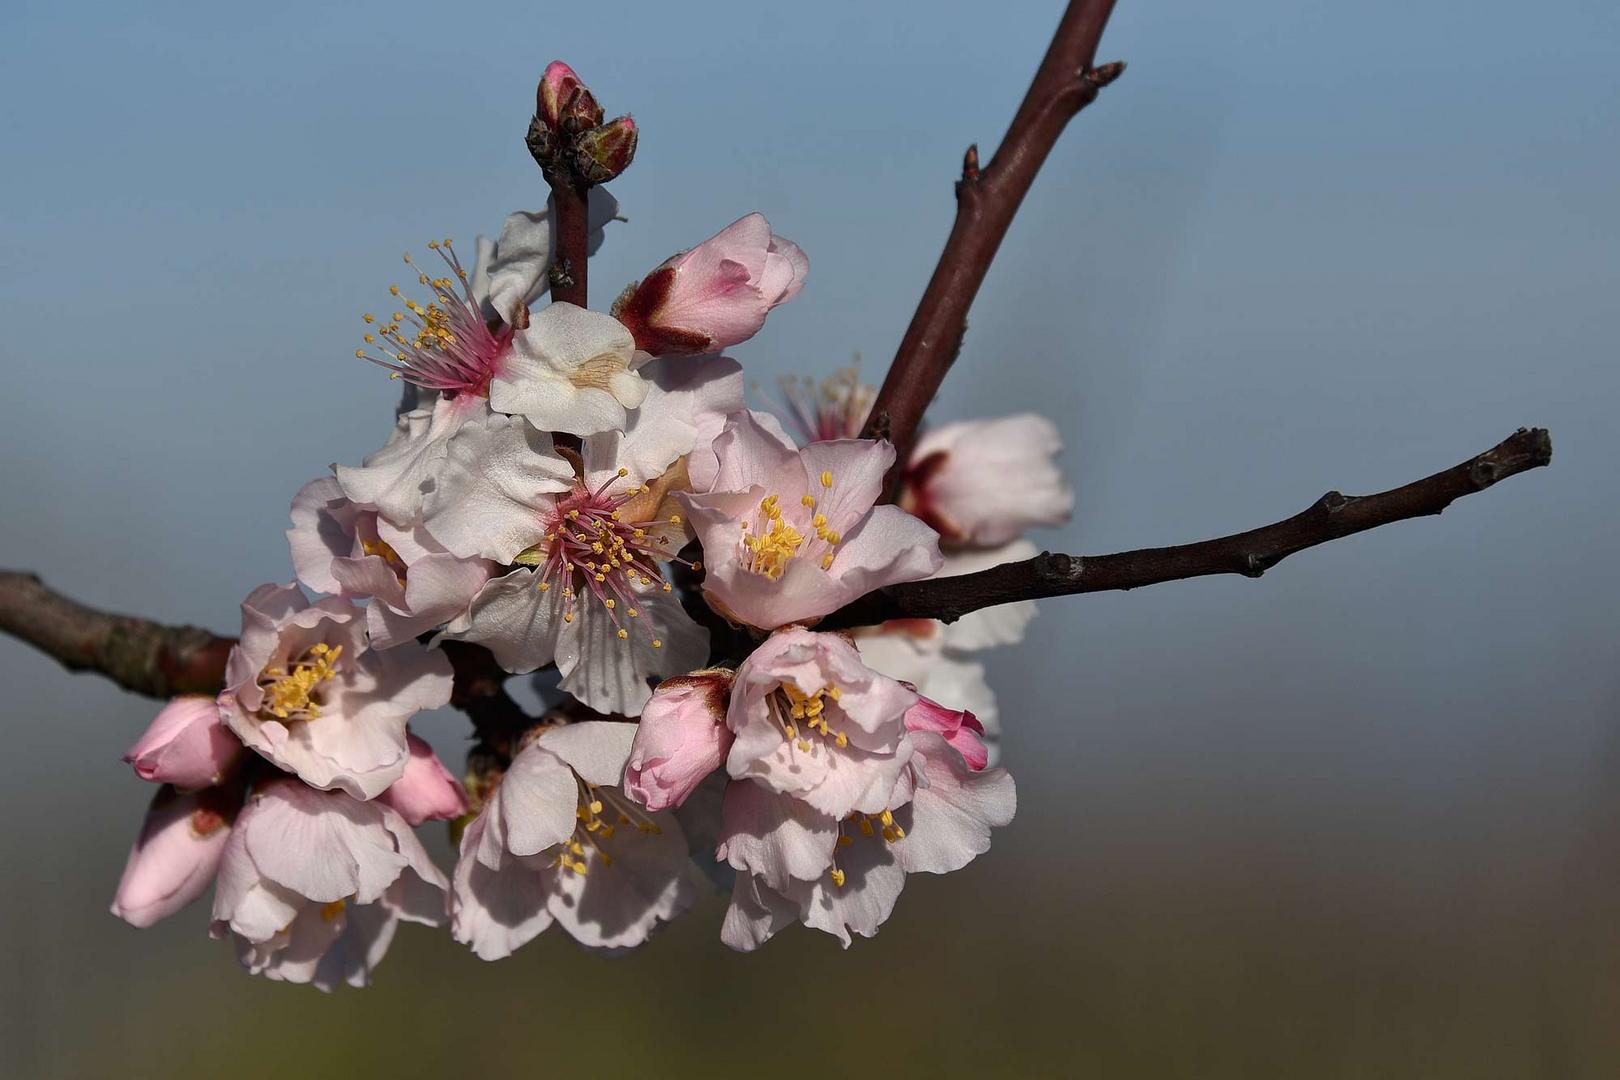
[(586, 493)]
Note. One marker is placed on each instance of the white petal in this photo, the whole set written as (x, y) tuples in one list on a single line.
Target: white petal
[(570, 371), (536, 801), (774, 836), (686, 407), (395, 478), (612, 674), (495, 911), (948, 822), (515, 620), (1003, 624), (756, 913), (872, 884), (650, 881), (595, 749), (323, 846), (491, 496)]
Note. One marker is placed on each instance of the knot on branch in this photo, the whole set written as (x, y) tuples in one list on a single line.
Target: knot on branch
[(1333, 502)]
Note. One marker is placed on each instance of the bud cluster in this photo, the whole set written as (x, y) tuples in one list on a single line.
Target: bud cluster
[(568, 136)]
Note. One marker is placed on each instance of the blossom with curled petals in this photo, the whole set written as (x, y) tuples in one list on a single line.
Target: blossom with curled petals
[(313, 884), (558, 842), (354, 552)]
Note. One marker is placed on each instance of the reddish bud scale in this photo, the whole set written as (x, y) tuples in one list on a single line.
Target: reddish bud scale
[(637, 308)]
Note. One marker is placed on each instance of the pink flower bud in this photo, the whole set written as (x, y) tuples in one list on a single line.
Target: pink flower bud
[(982, 483), (186, 745), (177, 853), (605, 152), (427, 791), (682, 738), (715, 295), (960, 728), (556, 89)]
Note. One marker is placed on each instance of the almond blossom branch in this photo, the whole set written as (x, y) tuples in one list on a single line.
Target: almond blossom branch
[(1251, 553), (987, 198), (138, 654), (162, 661)]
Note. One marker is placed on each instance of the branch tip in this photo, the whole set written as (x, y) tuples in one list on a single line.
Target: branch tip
[(1104, 74)]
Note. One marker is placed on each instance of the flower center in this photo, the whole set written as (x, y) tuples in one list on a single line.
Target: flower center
[(600, 814), (790, 707), (835, 408), (870, 824), (595, 555), (442, 345), (385, 551), (770, 541), (289, 692)]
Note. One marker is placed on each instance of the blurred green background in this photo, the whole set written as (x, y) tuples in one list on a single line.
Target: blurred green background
[(1357, 819)]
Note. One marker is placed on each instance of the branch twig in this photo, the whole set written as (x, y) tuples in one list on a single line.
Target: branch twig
[(987, 198), (162, 661), (1251, 553), (568, 269), (138, 654)]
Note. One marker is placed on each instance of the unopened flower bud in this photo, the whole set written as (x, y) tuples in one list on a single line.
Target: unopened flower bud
[(681, 739), (557, 87), (606, 151), (186, 745), (956, 480), (177, 853), (427, 791), (717, 294), (580, 112)]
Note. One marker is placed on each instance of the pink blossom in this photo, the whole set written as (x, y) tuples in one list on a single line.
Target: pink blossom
[(186, 745), (571, 370), (354, 552), (682, 738), (457, 338), (313, 884), (792, 535), (558, 841), (596, 602), (717, 294), (940, 821), (302, 689), (176, 855), (428, 791), (982, 483), (815, 723)]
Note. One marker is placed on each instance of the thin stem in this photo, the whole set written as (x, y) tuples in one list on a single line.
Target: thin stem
[(1250, 554), (987, 199), (568, 268)]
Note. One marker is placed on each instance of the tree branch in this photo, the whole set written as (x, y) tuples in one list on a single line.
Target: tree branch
[(162, 661), (569, 265), (138, 654), (1251, 553), (986, 200)]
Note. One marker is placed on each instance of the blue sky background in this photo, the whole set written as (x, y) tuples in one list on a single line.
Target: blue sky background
[(1359, 815)]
